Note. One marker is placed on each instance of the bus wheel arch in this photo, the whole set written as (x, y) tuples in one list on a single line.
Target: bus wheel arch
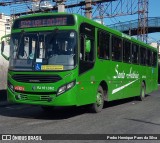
[(104, 86), (99, 103)]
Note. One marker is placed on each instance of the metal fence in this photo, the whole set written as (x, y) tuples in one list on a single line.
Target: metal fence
[(126, 26)]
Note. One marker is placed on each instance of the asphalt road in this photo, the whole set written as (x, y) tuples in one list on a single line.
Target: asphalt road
[(120, 117)]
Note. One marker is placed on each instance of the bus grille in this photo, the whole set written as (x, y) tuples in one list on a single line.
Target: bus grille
[(36, 78), (40, 98), (36, 93)]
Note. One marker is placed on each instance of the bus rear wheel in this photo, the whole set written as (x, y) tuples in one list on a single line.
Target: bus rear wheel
[(142, 92), (98, 105)]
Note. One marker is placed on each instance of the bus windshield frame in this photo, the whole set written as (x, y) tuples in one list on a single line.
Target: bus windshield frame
[(39, 51)]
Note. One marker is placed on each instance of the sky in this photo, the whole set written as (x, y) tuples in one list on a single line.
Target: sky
[(154, 11)]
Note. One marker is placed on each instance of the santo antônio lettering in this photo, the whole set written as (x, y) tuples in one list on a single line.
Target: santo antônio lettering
[(131, 74)]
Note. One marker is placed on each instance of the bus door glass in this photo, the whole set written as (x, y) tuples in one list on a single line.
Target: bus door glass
[(87, 50)]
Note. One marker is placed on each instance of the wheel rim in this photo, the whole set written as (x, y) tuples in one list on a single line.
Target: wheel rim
[(99, 99)]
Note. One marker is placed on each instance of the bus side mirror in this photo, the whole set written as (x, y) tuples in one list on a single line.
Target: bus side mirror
[(2, 51), (2, 47), (88, 46)]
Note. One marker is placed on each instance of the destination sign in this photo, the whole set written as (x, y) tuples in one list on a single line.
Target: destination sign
[(41, 21)]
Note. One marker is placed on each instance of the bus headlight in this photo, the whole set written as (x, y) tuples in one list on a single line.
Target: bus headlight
[(61, 90), (70, 85), (10, 86), (66, 87)]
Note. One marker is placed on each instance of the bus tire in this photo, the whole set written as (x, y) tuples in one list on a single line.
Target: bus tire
[(47, 108), (98, 105), (142, 92)]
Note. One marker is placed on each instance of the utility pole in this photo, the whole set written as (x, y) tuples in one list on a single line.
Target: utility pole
[(61, 5), (88, 8), (142, 31), (101, 12)]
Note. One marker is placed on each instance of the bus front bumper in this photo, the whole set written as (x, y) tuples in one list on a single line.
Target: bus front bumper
[(66, 99)]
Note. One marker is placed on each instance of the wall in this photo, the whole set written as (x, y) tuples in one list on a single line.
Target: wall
[(5, 25), (3, 72)]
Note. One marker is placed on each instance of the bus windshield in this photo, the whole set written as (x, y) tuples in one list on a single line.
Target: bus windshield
[(48, 49)]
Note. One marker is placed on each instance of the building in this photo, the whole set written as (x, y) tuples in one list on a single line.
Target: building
[(156, 45), (3, 72), (5, 24), (5, 28)]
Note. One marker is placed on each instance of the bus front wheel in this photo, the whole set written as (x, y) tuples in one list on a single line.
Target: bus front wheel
[(98, 105)]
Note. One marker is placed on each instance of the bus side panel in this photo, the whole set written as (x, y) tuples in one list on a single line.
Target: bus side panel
[(131, 81), (86, 88), (105, 72)]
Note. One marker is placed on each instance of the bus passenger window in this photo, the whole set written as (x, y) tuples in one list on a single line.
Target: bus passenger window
[(149, 57), (135, 54), (103, 45), (116, 49), (127, 51), (142, 56), (154, 59)]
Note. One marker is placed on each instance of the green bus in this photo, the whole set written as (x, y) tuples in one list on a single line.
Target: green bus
[(59, 59)]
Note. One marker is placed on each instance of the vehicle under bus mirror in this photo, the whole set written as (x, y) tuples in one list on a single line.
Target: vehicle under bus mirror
[(88, 46), (5, 47)]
